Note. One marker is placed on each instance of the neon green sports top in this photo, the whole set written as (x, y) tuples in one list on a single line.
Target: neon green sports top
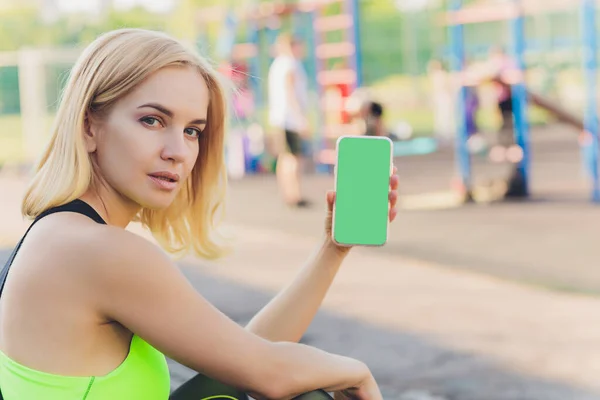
[(143, 375)]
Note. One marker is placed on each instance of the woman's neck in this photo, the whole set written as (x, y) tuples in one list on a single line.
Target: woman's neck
[(112, 207)]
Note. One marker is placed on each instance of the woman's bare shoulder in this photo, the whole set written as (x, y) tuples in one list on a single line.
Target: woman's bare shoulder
[(74, 243)]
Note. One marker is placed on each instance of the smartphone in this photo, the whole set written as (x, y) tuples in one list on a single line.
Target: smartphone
[(362, 182)]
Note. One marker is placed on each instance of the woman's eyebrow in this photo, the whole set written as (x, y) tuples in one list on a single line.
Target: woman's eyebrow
[(169, 113), (158, 107)]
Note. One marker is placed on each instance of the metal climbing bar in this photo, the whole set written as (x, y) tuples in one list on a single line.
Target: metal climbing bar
[(519, 95), (346, 75), (590, 66), (463, 159), (354, 11)]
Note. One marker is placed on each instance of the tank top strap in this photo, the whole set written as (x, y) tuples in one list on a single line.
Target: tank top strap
[(75, 206)]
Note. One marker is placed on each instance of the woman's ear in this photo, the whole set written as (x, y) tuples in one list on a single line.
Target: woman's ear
[(90, 133)]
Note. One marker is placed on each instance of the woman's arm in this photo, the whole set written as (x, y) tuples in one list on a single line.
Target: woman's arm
[(289, 314), (130, 281)]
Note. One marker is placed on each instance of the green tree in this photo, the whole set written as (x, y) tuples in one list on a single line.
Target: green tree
[(20, 27)]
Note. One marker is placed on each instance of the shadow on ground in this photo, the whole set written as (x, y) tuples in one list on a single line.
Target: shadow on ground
[(402, 363)]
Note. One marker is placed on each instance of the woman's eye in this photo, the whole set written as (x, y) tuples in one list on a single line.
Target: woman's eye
[(151, 122), (193, 132)]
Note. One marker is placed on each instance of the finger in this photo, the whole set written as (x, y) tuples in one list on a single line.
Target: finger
[(393, 196), (393, 213), (395, 171), (394, 182), (330, 199)]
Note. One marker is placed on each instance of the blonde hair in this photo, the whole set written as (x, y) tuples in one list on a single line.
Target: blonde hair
[(110, 68)]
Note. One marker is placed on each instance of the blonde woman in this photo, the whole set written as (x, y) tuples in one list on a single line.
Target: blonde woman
[(90, 310)]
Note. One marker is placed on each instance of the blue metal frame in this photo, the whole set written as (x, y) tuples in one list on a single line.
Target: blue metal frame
[(463, 158), (319, 140), (519, 97), (227, 38), (354, 10), (255, 63), (590, 65), (310, 36)]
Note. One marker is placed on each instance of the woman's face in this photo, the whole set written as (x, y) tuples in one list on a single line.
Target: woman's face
[(147, 145)]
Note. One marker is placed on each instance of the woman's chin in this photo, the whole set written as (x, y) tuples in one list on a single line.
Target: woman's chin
[(157, 203)]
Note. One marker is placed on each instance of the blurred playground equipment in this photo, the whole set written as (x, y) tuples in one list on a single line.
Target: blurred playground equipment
[(242, 47), (330, 32), (514, 12), (342, 56)]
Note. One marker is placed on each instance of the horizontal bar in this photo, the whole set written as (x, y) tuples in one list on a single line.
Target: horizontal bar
[(311, 5), (483, 12), (342, 76), (334, 50), (335, 131), (245, 50), (332, 23), (67, 56)]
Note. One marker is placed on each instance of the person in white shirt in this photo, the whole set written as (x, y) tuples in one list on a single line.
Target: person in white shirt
[(288, 114)]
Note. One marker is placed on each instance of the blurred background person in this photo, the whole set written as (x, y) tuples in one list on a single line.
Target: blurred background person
[(503, 72), (366, 113), (442, 101), (288, 114)]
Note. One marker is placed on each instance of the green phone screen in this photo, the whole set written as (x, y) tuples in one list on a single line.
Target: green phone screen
[(361, 208)]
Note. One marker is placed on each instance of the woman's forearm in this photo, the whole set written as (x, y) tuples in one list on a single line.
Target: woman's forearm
[(288, 315), (302, 369)]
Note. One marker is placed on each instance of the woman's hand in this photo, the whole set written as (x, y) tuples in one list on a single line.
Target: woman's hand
[(393, 198), (366, 390)]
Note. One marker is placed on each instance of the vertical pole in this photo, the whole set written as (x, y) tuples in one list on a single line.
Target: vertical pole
[(463, 159), (354, 11), (319, 140), (519, 95), (32, 92), (590, 65), (255, 62), (311, 64)]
